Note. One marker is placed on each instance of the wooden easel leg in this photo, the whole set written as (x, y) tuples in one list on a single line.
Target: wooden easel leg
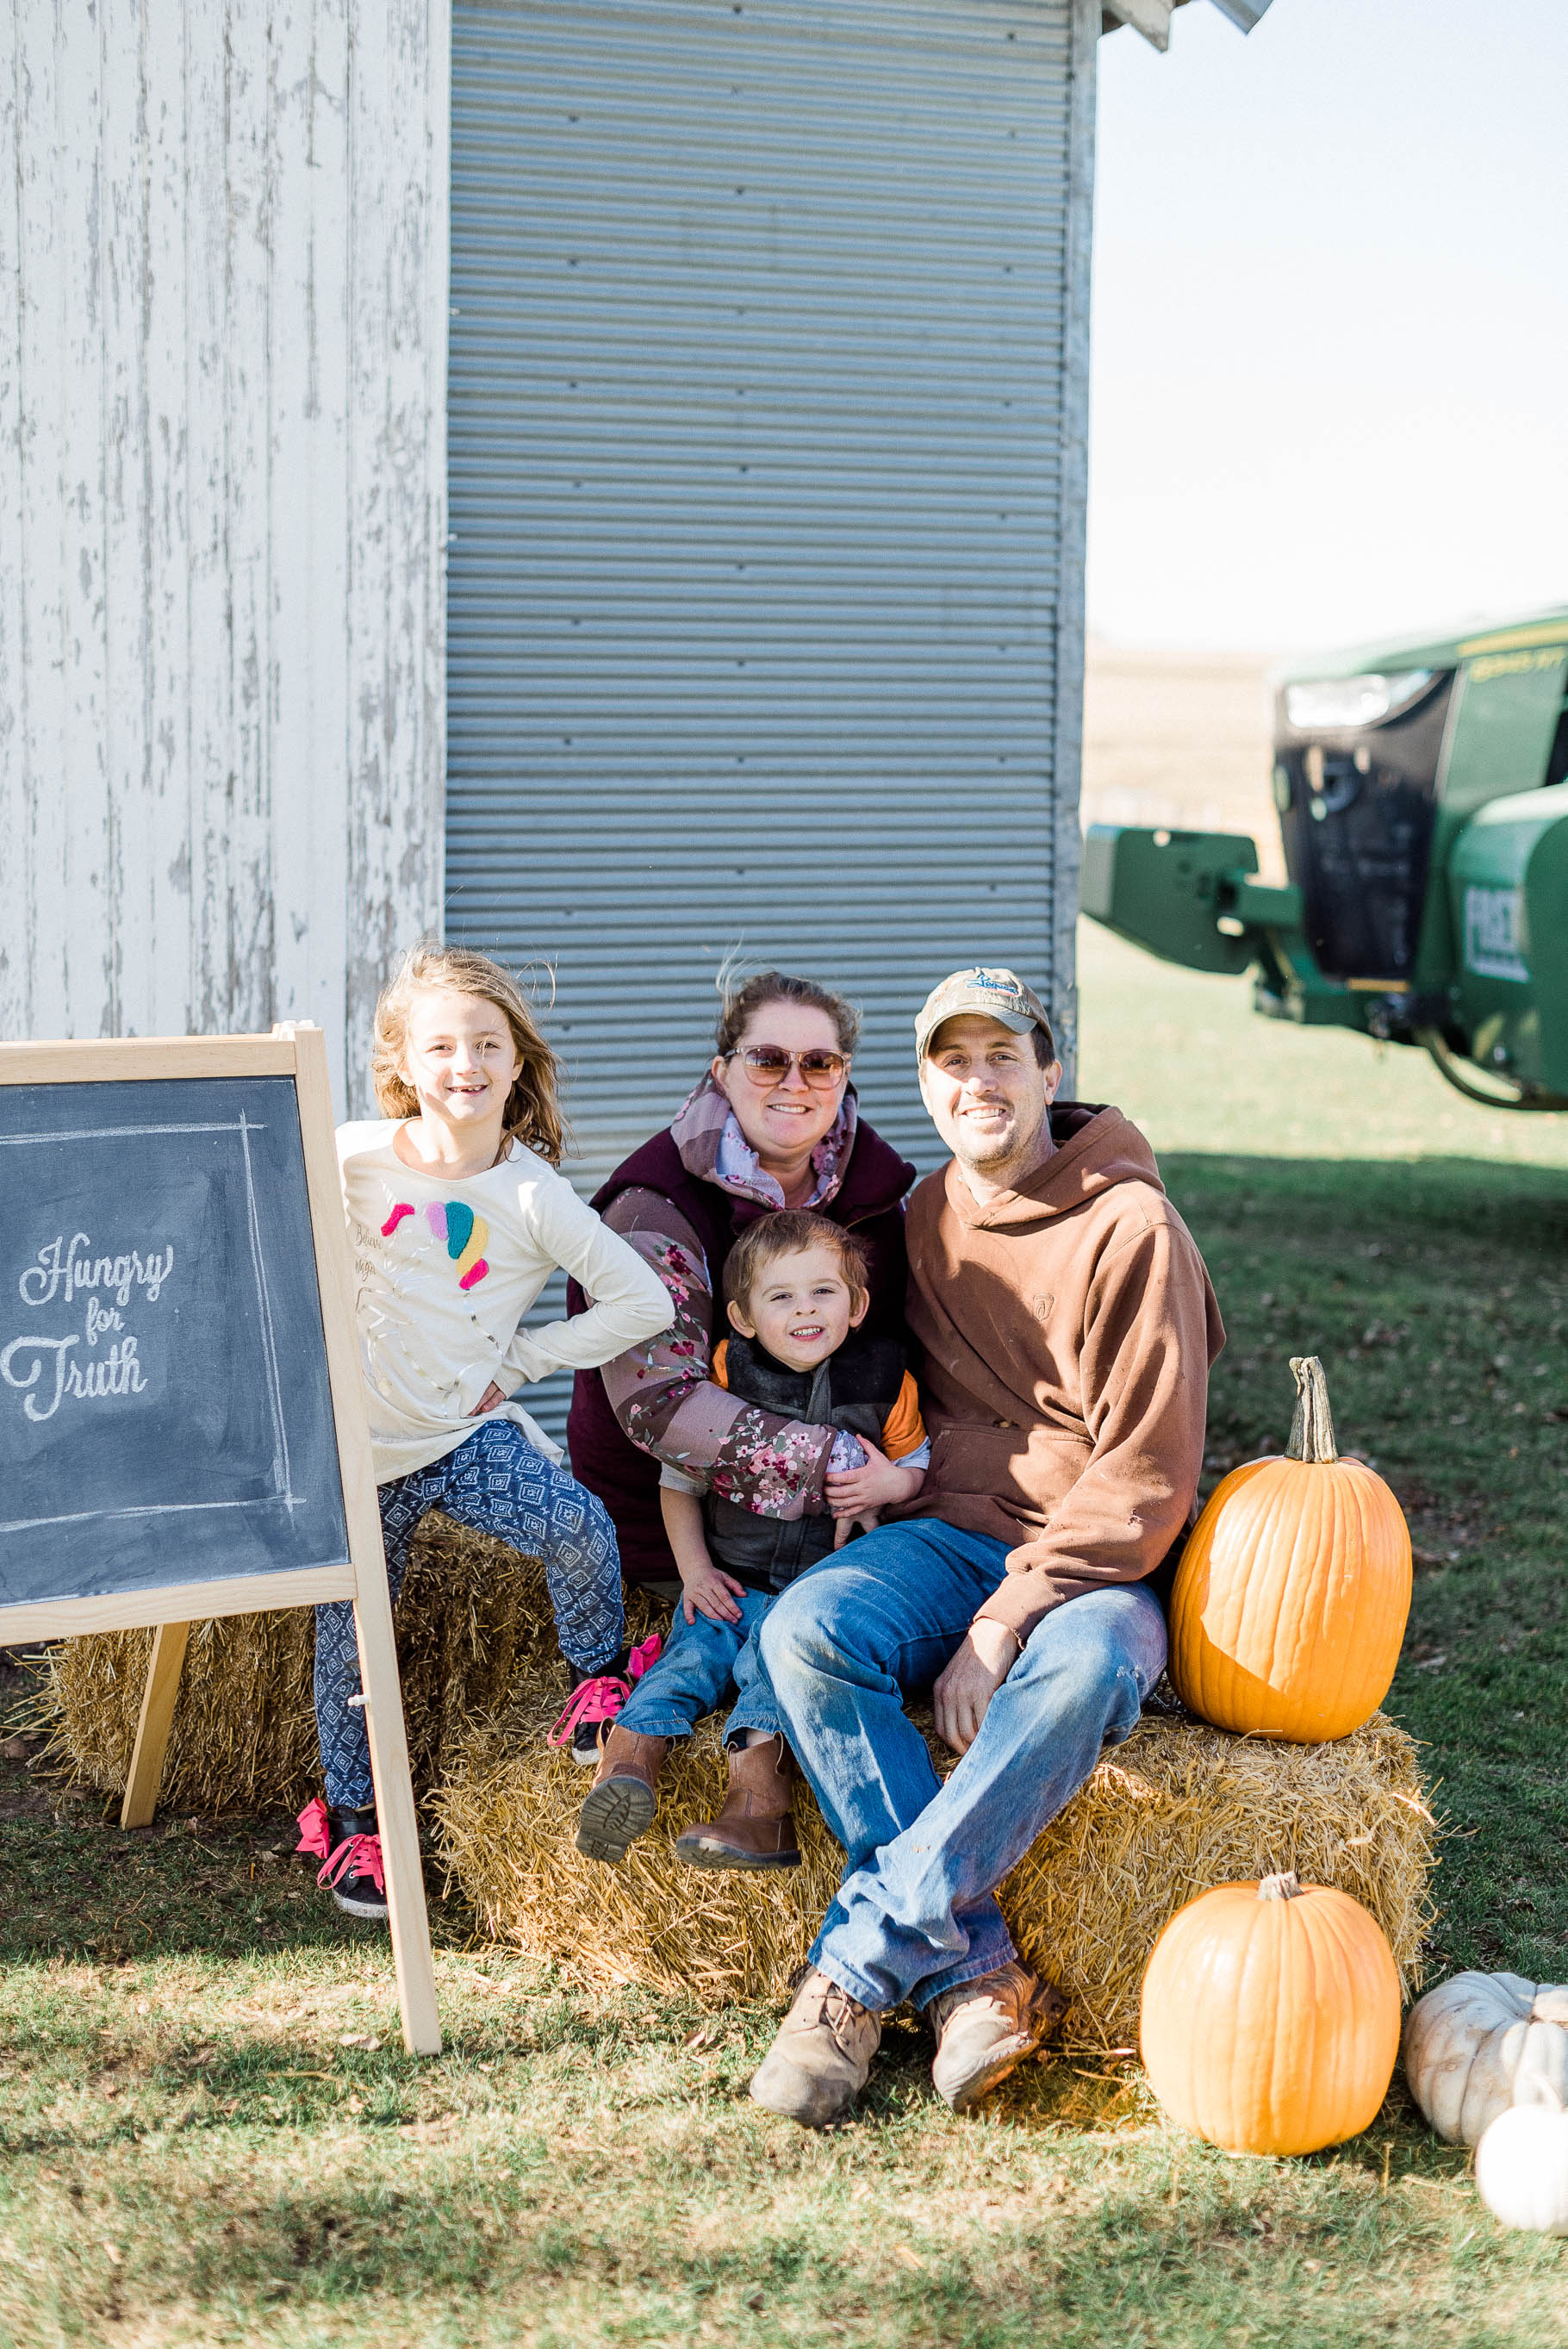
[(152, 1728), (395, 1817)]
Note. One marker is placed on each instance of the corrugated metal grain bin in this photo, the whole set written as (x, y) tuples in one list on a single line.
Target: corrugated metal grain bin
[(766, 464)]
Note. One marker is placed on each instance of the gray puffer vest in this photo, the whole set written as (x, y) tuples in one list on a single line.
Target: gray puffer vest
[(854, 1389)]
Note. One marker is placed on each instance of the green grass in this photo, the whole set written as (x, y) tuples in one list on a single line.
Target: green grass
[(197, 2144)]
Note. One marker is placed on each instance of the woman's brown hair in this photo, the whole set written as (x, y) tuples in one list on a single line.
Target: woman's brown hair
[(737, 1005), (532, 1114)]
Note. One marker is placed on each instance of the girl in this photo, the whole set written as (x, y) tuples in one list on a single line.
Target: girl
[(457, 1218)]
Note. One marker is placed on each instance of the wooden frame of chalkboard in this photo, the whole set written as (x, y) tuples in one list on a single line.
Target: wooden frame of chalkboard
[(249, 1464)]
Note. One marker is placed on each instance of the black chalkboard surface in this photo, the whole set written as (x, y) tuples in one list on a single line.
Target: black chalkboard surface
[(165, 1408)]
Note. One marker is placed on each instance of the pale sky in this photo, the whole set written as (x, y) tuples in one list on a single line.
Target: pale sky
[(1331, 323)]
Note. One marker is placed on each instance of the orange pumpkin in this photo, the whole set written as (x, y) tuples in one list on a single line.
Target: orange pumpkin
[(1291, 1598), (1271, 2017)]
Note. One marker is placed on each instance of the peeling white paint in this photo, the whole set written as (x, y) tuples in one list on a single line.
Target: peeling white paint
[(222, 511)]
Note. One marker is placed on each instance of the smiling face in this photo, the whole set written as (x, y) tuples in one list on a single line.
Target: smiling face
[(782, 1118), (460, 1060), (802, 1308), (988, 1095)]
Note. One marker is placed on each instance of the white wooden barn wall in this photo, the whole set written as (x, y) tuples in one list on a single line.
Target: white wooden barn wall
[(222, 494)]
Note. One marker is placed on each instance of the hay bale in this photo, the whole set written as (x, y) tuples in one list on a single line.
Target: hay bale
[(243, 1735), (244, 1728), (1181, 1807)]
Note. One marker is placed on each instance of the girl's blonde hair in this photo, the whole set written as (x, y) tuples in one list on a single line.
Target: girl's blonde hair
[(533, 1108)]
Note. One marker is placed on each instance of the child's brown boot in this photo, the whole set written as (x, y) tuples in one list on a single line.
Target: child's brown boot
[(620, 1802), (755, 1828)]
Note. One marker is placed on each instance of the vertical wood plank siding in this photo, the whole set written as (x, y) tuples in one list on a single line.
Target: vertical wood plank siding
[(223, 497)]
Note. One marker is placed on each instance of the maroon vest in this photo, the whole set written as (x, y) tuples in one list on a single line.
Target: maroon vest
[(866, 1202)]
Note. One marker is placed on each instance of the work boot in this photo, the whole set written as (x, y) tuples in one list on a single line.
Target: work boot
[(818, 2065), (754, 1829), (984, 2028), (620, 1802)]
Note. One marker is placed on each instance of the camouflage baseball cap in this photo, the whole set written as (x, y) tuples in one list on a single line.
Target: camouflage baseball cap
[(993, 994)]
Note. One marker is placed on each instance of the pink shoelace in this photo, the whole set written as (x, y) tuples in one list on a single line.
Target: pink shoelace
[(358, 1855), (600, 1699)]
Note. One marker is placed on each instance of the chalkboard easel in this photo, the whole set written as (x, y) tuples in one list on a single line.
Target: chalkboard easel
[(183, 1423)]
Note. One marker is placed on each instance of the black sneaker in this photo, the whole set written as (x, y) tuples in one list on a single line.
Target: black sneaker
[(585, 1743), (597, 1697), (348, 1846)]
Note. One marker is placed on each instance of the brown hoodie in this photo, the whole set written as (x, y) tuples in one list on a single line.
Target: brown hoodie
[(1063, 1335)]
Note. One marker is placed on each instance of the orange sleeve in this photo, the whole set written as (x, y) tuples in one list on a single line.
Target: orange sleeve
[(718, 1370), (904, 1430)]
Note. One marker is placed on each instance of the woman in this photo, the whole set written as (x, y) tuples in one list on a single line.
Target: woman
[(773, 1125)]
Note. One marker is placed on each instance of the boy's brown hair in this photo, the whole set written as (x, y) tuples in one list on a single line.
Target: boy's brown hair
[(786, 1234)]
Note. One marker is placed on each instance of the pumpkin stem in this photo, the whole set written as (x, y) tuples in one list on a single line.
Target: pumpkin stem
[(1312, 1431), (1281, 1888)]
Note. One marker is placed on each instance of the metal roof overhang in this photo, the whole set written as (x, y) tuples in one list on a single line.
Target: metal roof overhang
[(1152, 17)]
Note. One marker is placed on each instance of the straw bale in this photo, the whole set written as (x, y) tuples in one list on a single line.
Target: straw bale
[(244, 1728), (1176, 1809)]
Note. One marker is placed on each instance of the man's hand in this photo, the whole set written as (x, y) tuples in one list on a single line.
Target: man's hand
[(865, 1521), (963, 1694), (852, 1491), (488, 1401)]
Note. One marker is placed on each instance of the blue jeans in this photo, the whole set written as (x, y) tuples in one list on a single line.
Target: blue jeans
[(704, 1665), (842, 1647)]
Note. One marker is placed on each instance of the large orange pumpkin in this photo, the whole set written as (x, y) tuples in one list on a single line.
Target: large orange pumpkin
[(1271, 2016), (1291, 1598)]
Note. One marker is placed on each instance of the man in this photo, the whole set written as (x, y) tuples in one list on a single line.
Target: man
[(1064, 1326)]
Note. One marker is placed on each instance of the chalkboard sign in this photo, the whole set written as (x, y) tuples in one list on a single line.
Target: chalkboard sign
[(182, 1419), (165, 1407)]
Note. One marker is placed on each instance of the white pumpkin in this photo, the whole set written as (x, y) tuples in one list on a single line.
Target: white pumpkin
[(1521, 2164), (1472, 2045)]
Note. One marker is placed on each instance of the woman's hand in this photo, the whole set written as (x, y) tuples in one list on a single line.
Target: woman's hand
[(706, 1590), (962, 1695), (491, 1396), (852, 1491)]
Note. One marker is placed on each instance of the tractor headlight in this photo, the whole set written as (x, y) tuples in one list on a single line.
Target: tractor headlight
[(1332, 702)]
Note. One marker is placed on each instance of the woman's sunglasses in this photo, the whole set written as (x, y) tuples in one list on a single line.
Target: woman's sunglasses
[(771, 1063)]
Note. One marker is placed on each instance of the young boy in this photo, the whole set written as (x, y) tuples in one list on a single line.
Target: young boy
[(795, 1290)]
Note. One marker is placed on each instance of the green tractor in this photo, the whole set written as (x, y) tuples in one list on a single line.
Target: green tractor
[(1422, 789)]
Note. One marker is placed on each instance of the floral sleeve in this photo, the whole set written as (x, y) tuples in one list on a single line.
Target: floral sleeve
[(666, 1402)]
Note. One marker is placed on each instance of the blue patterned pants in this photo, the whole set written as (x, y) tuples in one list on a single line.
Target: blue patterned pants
[(497, 1483)]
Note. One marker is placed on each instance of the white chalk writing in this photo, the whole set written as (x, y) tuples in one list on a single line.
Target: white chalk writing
[(48, 1371), (69, 1270), (117, 1372)]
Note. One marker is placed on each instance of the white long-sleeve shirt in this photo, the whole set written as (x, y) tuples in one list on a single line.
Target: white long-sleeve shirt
[(444, 1273)]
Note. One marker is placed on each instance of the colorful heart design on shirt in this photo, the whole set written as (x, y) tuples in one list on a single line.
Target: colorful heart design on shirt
[(464, 1233)]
